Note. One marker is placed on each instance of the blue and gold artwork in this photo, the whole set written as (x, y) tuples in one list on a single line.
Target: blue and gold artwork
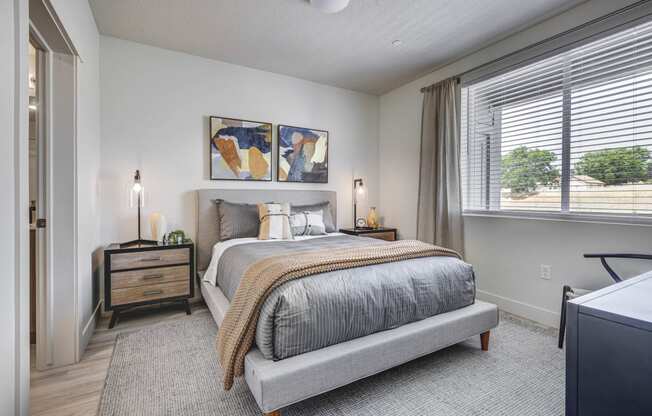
[(240, 149), (302, 155)]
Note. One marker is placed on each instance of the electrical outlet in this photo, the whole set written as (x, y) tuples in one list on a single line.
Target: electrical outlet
[(546, 272)]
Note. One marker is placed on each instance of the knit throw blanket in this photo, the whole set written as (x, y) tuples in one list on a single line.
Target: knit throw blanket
[(238, 329)]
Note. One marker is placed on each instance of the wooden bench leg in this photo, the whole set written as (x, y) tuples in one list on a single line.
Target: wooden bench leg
[(484, 340), (274, 413)]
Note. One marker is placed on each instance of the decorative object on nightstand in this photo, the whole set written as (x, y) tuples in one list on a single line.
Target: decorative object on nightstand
[(175, 237), (358, 192), (158, 225), (372, 218), (144, 275), (382, 233), (137, 198)]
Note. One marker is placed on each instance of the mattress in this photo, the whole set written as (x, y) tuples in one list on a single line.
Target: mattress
[(329, 308)]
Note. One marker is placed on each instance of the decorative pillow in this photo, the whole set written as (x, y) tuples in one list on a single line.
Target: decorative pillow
[(324, 207), (274, 222), (307, 223), (236, 220)]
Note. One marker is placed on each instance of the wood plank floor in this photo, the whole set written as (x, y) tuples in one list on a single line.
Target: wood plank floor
[(75, 390)]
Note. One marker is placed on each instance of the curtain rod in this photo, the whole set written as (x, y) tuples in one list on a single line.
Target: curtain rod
[(544, 41)]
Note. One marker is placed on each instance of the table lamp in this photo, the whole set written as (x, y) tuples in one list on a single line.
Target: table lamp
[(137, 198), (358, 192)]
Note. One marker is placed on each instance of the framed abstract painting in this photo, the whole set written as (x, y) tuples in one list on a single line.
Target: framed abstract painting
[(240, 149), (302, 155)]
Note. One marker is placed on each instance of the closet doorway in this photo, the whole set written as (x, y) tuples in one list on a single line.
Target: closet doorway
[(36, 186)]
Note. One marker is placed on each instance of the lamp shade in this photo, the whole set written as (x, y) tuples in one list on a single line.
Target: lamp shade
[(137, 191), (359, 189), (358, 193)]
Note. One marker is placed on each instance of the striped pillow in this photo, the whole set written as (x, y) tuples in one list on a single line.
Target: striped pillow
[(274, 222), (307, 223)]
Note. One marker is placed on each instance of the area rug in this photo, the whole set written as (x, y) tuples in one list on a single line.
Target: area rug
[(172, 369)]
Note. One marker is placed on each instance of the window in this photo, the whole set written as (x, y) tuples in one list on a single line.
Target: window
[(570, 134)]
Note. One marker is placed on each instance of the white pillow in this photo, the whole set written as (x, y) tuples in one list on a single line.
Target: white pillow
[(274, 222), (308, 223)]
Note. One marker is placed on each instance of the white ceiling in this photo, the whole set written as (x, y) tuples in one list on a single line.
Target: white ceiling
[(351, 49)]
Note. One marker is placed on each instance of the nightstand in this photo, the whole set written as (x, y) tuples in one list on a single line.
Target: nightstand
[(148, 274), (382, 233)]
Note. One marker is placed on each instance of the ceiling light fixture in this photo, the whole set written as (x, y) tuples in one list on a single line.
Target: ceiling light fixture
[(397, 42), (330, 6)]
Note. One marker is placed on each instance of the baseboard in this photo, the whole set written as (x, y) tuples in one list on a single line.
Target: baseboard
[(525, 310), (89, 329)]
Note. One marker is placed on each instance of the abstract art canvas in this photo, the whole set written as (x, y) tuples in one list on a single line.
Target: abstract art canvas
[(302, 155), (240, 149)]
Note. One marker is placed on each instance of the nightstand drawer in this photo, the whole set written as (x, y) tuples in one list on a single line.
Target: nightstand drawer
[(149, 292), (384, 235), (133, 278), (149, 258)]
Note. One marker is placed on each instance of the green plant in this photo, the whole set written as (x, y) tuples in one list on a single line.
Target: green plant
[(524, 169), (173, 236), (615, 166)]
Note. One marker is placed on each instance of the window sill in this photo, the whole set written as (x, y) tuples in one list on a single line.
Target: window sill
[(557, 216)]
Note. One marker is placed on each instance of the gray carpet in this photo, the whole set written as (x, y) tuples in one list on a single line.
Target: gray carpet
[(172, 369)]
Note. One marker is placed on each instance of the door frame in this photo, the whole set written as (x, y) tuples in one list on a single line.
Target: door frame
[(17, 26), (57, 315)]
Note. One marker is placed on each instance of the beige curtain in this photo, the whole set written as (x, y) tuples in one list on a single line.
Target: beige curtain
[(439, 216)]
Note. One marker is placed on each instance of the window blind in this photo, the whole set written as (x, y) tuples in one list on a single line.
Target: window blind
[(571, 133)]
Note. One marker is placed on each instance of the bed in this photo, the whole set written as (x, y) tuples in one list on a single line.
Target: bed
[(278, 376)]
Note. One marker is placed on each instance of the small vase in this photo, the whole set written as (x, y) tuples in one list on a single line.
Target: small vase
[(372, 218)]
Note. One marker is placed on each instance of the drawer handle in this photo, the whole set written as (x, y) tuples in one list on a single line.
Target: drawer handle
[(151, 259), (152, 276), (152, 292)]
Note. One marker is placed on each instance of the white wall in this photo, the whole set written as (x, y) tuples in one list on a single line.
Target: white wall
[(155, 105), (79, 23), (507, 253)]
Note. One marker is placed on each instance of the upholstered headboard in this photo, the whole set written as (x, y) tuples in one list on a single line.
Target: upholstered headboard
[(207, 212)]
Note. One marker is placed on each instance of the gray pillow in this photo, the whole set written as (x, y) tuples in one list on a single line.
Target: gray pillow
[(325, 207), (236, 220)]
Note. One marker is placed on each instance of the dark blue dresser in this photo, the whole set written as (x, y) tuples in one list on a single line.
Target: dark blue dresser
[(609, 351)]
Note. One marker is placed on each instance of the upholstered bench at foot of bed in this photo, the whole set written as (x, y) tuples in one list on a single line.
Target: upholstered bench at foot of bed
[(277, 384)]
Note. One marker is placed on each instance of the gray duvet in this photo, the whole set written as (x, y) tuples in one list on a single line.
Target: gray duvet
[(328, 308)]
